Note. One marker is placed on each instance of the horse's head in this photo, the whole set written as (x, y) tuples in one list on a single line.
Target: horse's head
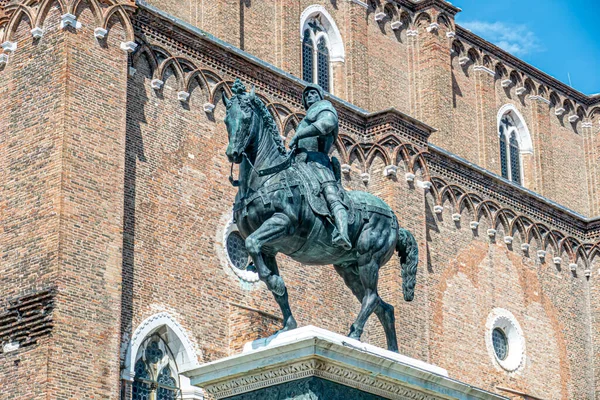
[(239, 119)]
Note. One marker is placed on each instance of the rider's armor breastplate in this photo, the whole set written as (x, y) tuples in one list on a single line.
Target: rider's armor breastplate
[(324, 142)]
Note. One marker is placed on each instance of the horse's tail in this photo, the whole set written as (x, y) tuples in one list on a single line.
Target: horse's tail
[(408, 251)]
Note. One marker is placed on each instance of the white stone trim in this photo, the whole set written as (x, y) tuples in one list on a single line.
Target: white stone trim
[(474, 225), (520, 90), (380, 16), (573, 267), (100, 33), (433, 27), (186, 358), (208, 107), (365, 177), (491, 233), (69, 20), (9, 47), (455, 217), (390, 170), (505, 320), (37, 32), (450, 34), (409, 176), (346, 168), (3, 60), (587, 273), (424, 184), (464, 60), (132, 71), (333, 35), (156, 84), (540, 98), (559, 111), (508, 239), (10, 347), (396, 25), (412, 32), (557, 260), (438, 209), (587, 124), (183, 96), (541, 254), (128, 47), (525, 246), (484, 69), (573, 118), (360, 3), (506, 83)]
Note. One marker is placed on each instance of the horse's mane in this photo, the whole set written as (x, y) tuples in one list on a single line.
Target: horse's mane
[(269, 123)]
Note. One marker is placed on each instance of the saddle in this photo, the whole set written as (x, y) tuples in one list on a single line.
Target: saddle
[(312, 191)]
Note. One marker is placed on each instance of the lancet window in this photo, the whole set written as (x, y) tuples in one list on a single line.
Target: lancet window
[(510, 152), (315, 54), (156, 376)]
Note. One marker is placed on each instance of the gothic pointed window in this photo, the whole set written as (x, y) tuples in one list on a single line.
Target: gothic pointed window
[(316, 54), (156, 376), (513, 136), (503, 155), (323, 64), (307, 57), (515, 162)]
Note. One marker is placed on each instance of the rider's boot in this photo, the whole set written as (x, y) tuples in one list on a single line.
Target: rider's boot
[(340, 216)]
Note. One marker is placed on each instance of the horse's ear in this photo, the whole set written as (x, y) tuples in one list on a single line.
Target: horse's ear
[(225, 98)]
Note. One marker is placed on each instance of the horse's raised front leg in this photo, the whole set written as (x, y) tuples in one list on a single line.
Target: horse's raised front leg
[(274, 228)]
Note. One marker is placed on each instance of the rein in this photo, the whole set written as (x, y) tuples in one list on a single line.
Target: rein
[(263, 172)]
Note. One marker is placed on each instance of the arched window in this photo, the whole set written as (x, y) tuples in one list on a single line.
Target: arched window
[(156, 376), (515, 143), (314, 46), (308, 57), (323, 64), (322, 46)]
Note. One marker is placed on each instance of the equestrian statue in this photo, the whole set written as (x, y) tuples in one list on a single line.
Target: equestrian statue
[(293, 202)]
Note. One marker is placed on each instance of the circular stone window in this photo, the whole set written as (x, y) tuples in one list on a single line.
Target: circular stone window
[(504, 340), (237, 255)]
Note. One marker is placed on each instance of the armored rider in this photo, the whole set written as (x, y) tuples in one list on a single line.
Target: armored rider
[(314, 137)]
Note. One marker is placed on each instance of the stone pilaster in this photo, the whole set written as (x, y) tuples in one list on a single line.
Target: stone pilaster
[(539, 177), (487, 143)]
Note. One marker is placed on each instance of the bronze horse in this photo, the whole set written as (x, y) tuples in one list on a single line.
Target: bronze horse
[(273, 215)]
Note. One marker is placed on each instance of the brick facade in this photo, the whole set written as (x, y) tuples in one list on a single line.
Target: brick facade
[(115, 196)]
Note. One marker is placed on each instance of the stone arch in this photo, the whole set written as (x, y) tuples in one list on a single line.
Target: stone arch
[(333, 36), (518, 128), (183, 349)]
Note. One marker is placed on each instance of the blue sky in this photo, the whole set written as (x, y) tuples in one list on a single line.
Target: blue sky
[(559, 37)]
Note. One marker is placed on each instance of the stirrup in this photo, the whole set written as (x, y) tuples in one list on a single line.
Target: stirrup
[(340, 241)]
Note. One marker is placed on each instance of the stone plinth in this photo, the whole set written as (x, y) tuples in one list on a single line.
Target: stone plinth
[(312, 364)]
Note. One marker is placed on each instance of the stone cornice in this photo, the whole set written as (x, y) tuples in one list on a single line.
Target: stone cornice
[(509, 59)]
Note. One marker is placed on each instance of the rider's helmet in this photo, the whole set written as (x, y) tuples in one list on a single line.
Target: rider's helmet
[(312, 86)]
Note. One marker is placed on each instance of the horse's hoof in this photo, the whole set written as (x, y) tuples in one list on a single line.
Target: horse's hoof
[(289, 325), (276, 285)]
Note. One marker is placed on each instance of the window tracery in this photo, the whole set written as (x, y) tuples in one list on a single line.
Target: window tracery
[(315, 46), (156, 376), (510, 148)]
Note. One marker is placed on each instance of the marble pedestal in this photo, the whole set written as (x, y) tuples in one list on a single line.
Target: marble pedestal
[(310, 363)]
